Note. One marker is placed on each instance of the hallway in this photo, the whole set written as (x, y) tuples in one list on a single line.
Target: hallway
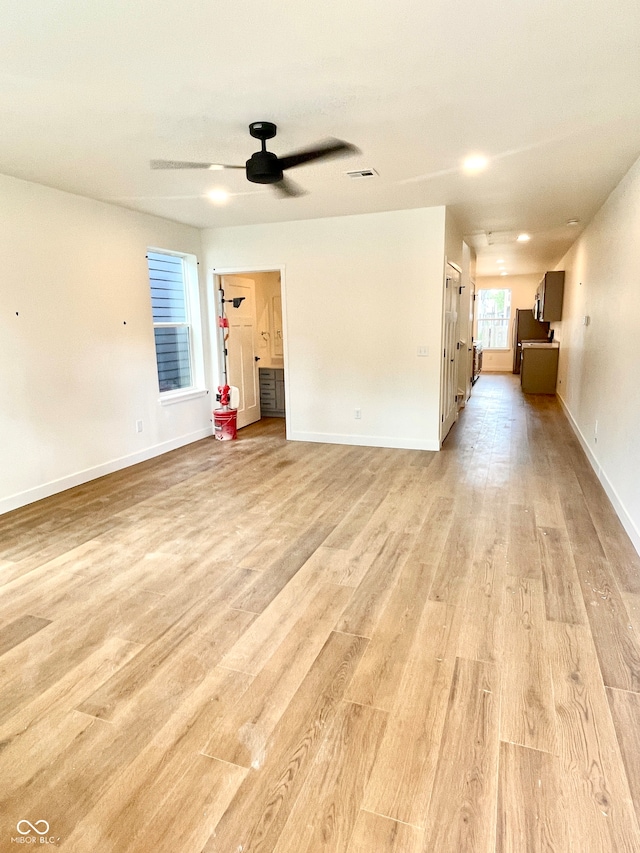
[(271, 646)]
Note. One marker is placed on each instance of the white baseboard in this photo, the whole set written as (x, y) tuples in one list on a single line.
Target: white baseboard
[(52, 488), (626, 520), (364, 440)]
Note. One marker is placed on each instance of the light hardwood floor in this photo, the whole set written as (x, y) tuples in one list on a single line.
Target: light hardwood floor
[(302, 648)]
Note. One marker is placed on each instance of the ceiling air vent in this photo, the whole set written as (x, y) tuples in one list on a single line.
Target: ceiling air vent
[(362, 173)]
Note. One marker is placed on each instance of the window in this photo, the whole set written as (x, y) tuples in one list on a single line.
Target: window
[(172, 320), (494, 313)]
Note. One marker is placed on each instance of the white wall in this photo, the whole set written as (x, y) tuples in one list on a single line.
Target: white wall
[(600, 363), (360, 294), (523, 289), (77, 366)]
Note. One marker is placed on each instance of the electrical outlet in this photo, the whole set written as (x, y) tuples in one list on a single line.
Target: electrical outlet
[(423, 351), (357, 414), (138, 426)]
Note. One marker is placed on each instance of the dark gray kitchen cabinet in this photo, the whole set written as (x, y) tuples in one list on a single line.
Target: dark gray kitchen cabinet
[(272, 392)]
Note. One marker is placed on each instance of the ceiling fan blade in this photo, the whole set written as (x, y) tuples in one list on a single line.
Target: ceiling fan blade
[(185, 164), (288, 189), (328, 148)]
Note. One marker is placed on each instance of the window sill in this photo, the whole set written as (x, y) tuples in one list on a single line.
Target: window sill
[(168, 398)]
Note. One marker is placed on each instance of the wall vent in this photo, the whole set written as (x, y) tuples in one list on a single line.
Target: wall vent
[(362, 173)]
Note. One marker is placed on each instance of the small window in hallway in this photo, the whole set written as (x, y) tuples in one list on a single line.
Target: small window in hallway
[(494, 313)]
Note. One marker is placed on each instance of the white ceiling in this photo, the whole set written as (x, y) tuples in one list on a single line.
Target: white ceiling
[(549, 90)]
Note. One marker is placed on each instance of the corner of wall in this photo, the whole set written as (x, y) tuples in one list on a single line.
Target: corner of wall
[(453, 239)]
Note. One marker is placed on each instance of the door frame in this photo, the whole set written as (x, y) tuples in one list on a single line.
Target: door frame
[(466, 358), (215, 337), (242, 348), (444, 427)]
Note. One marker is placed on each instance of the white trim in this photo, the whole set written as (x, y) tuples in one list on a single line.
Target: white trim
[(158, 251), (365, 440), (240, 270), (626, 520), (211, 298), (168, 398), (80, 477), (193, 298)]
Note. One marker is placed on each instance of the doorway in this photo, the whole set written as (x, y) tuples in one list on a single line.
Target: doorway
[(450, 350), (256, 342)]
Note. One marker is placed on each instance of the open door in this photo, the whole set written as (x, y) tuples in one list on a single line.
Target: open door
[(449, 373), (241, 357)]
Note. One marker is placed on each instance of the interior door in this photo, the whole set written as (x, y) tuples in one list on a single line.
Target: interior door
[(241, 363), (449, 374), (465, 352)]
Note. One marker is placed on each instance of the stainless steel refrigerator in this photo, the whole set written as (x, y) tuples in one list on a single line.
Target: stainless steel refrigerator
[(525, 328)]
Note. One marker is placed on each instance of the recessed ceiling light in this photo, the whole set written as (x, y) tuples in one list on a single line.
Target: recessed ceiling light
[(500, 261), (475, 163), (503, 272), (218, 196), (572, 221), (523, 238)]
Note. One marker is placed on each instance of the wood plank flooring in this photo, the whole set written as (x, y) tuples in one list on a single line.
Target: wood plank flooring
[(270, 647)]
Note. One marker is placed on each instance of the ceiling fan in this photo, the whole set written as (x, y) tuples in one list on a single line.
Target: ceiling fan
[(264, 167)]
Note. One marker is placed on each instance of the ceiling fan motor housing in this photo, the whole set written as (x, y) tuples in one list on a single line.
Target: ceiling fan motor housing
[(263, 168)]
